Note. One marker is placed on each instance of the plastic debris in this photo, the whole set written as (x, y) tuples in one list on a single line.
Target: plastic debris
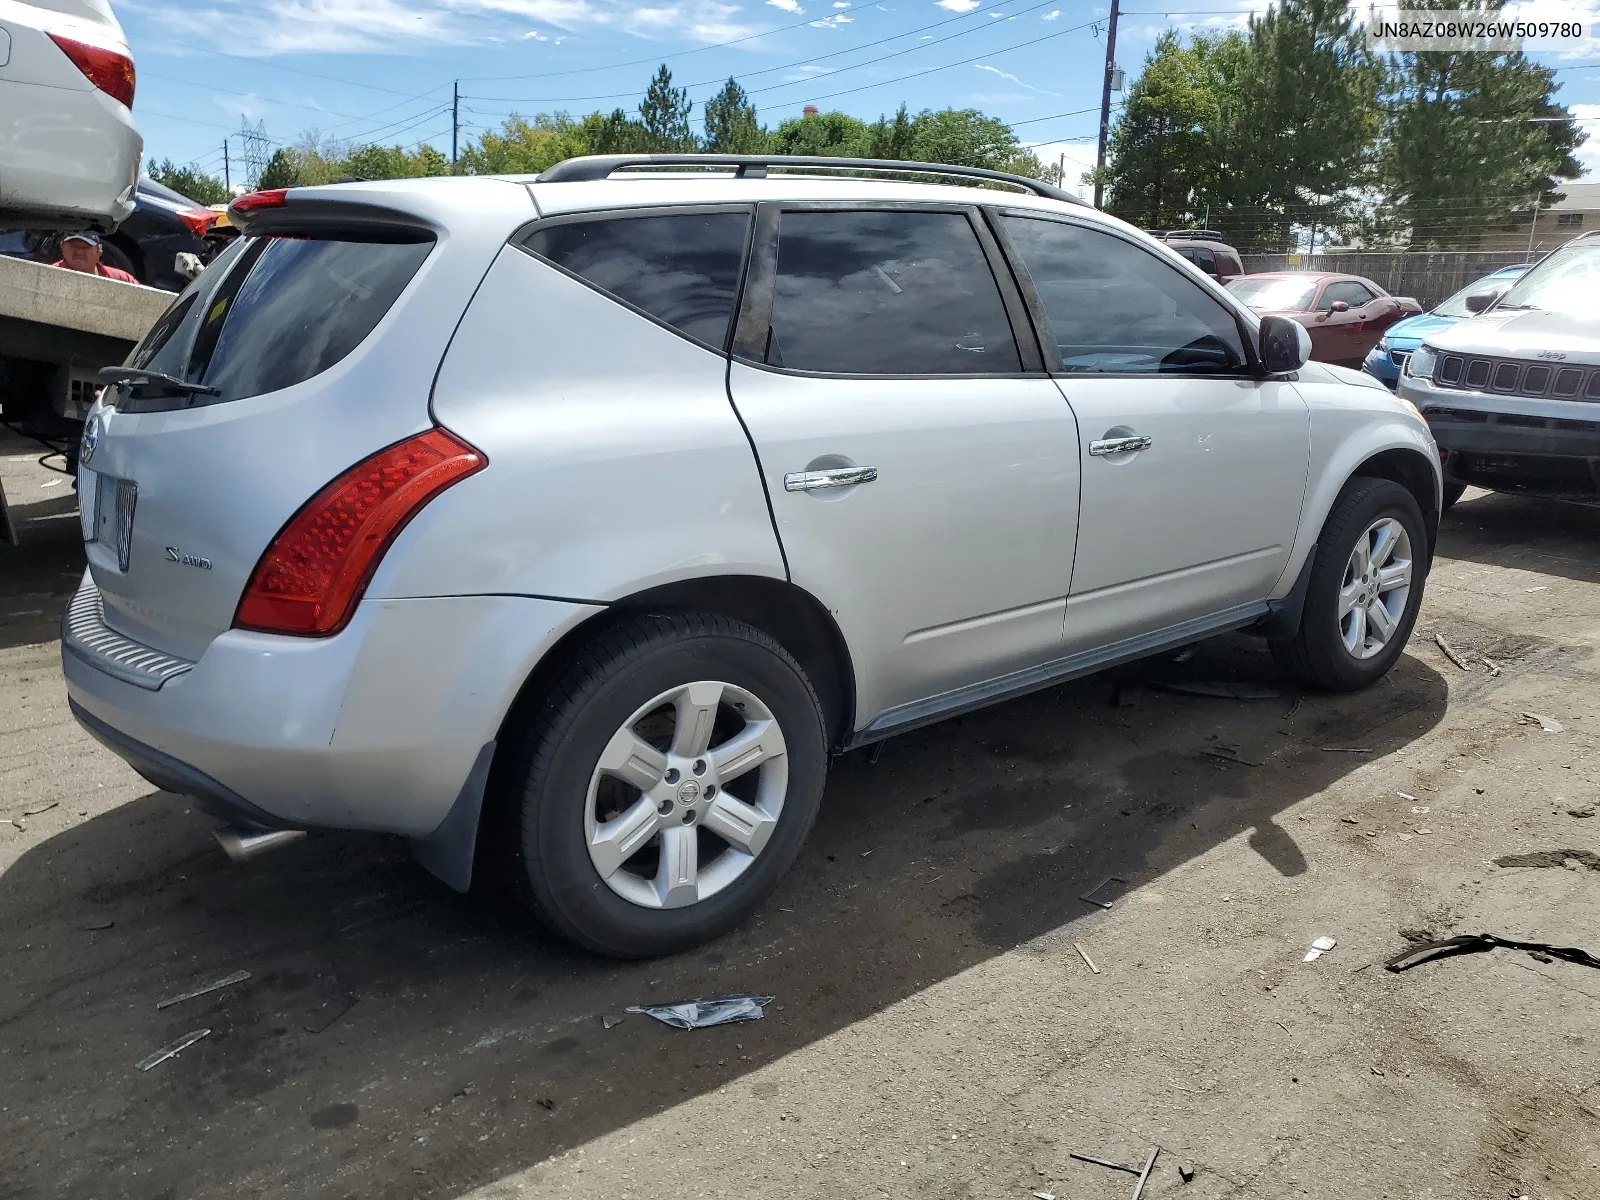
[(706, 1011), (1551, 858), (1186, 1173), (172, 1051), (96, 926), (40, 808), (1084, 954), (1217, 689), (1228, 754), (609, 1022), (213, 986), (1548, 724), (1494, 667), (1475, 943), (1318, 948), (1449, 652), (1044, 1196)]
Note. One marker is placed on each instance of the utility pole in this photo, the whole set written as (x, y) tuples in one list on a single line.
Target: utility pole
[(227, 169), (455, 121), (1534, 224), (1105, 103)]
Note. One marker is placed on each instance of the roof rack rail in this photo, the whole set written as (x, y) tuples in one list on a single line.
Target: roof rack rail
[(1204, 234), (756, 166)]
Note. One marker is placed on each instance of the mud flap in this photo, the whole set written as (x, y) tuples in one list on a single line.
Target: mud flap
[(447, 852)]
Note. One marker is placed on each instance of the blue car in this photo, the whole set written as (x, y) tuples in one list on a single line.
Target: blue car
[(1390, 354)]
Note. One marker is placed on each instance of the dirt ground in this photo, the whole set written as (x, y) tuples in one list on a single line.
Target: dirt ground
[(934, 1030)]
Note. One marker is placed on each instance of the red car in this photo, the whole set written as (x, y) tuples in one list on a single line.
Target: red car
[(1345, 314)]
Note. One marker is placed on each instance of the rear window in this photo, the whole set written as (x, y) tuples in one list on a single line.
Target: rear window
[(272, 312)]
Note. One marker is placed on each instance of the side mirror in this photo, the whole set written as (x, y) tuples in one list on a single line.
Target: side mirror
[(1481, 300), (1339, 306), (1284, 345)]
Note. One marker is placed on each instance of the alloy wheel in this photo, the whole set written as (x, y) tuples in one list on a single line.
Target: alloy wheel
[(1375, 588)]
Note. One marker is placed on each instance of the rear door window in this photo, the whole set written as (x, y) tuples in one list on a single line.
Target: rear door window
[(1351, 292), (887, 293), (682, 269), (1200, 258)]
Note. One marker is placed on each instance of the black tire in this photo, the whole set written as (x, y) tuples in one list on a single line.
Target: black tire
[(552, 761), (1452, 493), (1317, 653)]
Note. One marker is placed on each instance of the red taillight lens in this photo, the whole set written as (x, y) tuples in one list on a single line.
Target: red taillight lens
[(250, 201), (315, 570), (198, 221), (108, 70)]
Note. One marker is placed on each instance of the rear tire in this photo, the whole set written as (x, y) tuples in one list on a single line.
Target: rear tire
[(664, 734), (1358, 612), (113, 255)]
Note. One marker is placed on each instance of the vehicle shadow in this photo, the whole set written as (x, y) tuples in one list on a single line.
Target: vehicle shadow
[(395, 1039), (37, 579), (1541, 536)]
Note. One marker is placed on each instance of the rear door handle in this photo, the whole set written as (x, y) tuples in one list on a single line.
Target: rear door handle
[(834, 477), (1119, 445)]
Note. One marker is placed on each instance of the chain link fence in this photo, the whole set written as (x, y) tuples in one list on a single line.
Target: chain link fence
[(1429, 277)]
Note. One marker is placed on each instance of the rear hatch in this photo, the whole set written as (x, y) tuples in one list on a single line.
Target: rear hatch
[(321, 342)]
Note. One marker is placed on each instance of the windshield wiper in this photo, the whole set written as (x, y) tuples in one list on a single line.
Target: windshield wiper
[(1515, 307), (142, 378)]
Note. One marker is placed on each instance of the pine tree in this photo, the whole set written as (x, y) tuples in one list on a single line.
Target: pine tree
[(664, 113), (894, 139), (731, 125), (1468, 141)]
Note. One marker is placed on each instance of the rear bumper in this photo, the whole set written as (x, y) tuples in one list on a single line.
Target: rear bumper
[(378, 728), (72, 159)]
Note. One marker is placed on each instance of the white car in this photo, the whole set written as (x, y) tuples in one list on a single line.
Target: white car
[(568, 525), (69, 152)]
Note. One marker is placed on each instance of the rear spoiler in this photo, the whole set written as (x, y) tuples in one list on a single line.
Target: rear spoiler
[(281, 211)]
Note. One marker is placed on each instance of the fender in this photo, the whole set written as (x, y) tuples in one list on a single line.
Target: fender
[(1351, 423)]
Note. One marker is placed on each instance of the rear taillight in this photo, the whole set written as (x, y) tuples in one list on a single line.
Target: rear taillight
[(271, 198), (108, 70), (311, 576), (197, 221)]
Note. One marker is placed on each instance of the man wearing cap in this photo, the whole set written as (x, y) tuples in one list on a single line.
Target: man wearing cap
[(81, 252)]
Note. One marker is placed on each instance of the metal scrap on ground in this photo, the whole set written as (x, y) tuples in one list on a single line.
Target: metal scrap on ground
[(1217, 689), (1548, 724), (706, 1011), (172, 1051), (1089, 895), (1084, 954), (1318, 948), (203, 989)]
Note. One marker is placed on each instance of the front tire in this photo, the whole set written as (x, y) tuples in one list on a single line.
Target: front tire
[(667, 784), (1365, 589)]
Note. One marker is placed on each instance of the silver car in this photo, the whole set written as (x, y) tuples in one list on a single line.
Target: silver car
[(568, 525)]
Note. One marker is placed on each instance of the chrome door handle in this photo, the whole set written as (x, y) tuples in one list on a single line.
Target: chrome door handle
[(1119, 445), (835, 477)]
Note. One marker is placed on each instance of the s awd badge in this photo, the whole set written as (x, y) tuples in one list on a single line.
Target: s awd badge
[(188, 560)]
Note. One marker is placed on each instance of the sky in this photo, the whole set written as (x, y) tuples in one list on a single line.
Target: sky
[(383, 70)]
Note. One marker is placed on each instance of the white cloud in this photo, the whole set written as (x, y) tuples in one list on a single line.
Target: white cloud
[(265, 28), (841, 3), (251, 107), (1051, 15), (832, 22), (788, 6), (1588, 153), (533, 35), (959, 6), (1007, 75)]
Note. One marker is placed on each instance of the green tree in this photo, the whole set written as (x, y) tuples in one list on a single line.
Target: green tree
[(731, 124), (282, 170), (190, 181), (831, 133), (894, 139), (664, 114), (964, 137), (1299, 124), (1468, 141), (391, 162), (1162, 156), (526, 145)]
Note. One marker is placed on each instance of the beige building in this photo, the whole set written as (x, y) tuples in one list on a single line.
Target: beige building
[(1577, 212)]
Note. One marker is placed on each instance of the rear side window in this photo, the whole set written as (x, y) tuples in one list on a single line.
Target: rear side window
[(1114, 308), (683, 269), (1351, 292), (887, 293), (271, 312), (1200, 258)]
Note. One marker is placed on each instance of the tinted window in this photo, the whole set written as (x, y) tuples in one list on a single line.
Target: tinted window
[(1352, 293), (887, 293), (297, 309), (682, 269), (1200, 258), (1113, 307)]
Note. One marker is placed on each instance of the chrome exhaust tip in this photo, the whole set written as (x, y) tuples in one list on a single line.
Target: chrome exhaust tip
[(242, 844)]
